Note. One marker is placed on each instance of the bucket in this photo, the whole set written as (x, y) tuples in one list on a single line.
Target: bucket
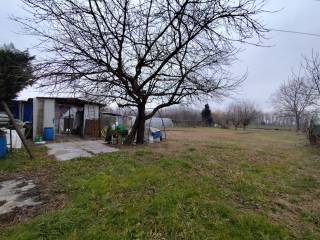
[(3, 145), (48, 134), (38, 139)]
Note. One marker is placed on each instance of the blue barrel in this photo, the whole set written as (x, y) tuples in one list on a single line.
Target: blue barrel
[(3, 145), (48, 134)]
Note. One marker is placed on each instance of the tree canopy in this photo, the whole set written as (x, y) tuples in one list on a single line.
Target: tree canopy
[(15, 71)]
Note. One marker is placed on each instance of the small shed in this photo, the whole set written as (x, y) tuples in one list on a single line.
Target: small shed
[(67, 116)]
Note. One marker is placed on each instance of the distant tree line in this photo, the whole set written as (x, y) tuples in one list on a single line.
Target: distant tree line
[(238, 114), (182, 115)]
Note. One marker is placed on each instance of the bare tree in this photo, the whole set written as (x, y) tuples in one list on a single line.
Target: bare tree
[(248, 112), (242, 113), (312, 67), (234, 115), (293, 98), (141, 53), (221, 118)]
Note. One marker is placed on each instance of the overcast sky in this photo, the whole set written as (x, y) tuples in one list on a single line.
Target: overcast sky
[(267, 66)]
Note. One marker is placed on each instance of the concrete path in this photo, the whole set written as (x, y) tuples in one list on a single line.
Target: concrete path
[(69, 150), (15, 193)]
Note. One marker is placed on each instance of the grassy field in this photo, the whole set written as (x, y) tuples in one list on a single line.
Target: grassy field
[(199, 184)]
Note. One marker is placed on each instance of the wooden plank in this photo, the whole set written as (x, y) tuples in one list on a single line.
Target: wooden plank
[(92, 127)]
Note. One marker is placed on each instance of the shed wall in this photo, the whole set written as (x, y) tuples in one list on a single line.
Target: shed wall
[(91, 111), (48, 113), (35, 116)]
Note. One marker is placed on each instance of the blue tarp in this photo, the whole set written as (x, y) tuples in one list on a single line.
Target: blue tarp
[(27, 110)]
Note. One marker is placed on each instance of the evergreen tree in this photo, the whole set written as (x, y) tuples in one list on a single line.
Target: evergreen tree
[(15, 75), (206, 115), (15, 71)]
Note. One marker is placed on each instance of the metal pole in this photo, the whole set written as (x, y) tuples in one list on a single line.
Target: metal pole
[(69, 122), (164, 127), (10, 140)]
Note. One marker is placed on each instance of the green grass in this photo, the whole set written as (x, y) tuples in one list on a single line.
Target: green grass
[(224, 184), (19, 160)]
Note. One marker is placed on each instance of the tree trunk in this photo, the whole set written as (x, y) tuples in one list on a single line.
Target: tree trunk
[(137, 130), (297, 123), (312, 137), (141, 125), (24, 141)]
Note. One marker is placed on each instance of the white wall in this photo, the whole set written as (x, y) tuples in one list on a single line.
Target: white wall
[(91, 111), (35, 116), (48, 115)]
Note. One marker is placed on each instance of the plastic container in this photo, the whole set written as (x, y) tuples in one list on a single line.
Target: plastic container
[(48, 134), (16, 141), (38, 139), (3, 145)]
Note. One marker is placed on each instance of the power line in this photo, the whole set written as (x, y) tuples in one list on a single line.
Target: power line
[(296, 32)]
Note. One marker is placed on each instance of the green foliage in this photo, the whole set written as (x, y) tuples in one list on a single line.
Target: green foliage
[(206, 115), (15, 71), (19, 160)]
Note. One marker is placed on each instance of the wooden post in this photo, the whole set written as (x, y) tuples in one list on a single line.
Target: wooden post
[(24, 141)]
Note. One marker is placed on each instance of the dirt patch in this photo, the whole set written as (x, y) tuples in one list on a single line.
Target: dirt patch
[(2, 203), (45, 192)]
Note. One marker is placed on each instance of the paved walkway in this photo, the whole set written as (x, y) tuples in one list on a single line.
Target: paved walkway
[(69, 150)]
